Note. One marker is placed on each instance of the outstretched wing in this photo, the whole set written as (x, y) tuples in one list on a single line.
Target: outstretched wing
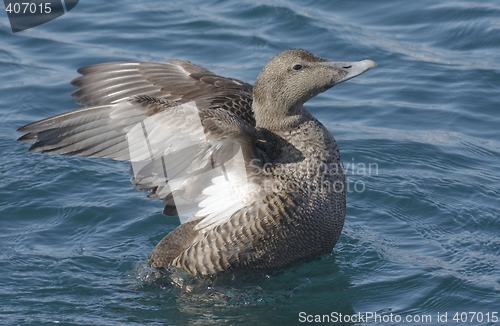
[(177, 80), (197, 160)]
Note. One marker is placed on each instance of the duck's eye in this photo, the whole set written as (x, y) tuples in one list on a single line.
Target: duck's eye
[(297, 67)]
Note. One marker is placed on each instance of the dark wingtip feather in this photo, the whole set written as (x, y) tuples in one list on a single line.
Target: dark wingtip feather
[(34, 148), (26, 138), (24, 128)]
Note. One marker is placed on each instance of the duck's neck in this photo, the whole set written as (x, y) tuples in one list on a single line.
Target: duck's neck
[(278, 119)]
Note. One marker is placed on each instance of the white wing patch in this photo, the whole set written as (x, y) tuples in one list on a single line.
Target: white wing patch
[(206, 175), (228, 193)]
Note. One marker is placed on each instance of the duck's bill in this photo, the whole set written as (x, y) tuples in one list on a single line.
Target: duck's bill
[(352, 69)]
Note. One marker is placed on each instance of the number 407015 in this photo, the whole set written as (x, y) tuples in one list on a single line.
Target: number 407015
[(471, 317), (28, 8)]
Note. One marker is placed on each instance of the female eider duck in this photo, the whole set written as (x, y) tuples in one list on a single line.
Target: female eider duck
[(259, 178)]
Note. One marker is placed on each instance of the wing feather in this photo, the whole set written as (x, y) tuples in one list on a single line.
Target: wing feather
[(188, 133), (176, 80), (197, 157)]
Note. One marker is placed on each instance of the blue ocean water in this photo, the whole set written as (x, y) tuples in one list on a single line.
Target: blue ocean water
[(419, 136)]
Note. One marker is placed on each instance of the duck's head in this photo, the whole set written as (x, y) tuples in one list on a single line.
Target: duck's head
[(293, 77)]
